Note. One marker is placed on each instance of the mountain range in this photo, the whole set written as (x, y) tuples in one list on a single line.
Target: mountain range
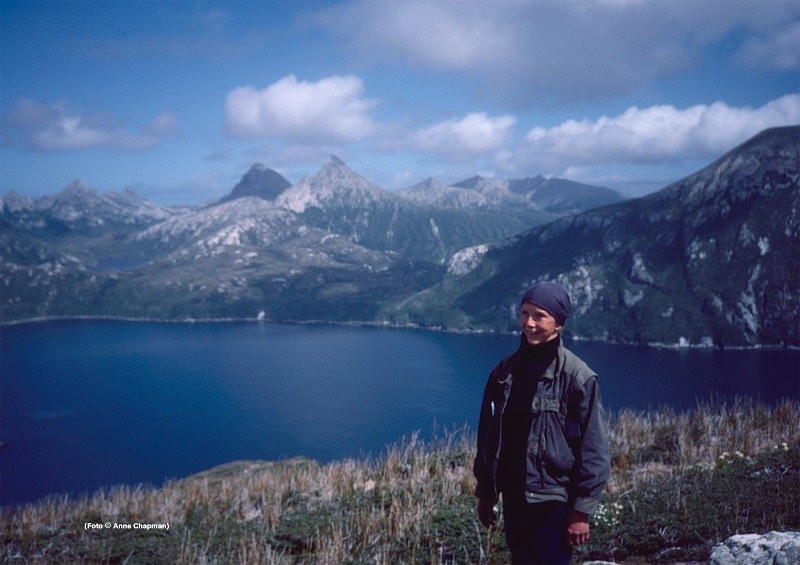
[(709, 260)]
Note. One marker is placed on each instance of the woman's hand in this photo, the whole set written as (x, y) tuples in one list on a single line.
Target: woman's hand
[(486, 512), (577, 528)]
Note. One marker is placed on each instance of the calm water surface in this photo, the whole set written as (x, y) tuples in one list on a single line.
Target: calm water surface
[(85, 404)]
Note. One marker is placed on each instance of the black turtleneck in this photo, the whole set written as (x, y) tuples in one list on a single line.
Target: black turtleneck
[(532, 360)]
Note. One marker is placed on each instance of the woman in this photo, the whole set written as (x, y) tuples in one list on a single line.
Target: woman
[(541, 441)]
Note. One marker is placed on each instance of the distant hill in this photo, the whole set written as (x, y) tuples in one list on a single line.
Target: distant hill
[(707, 260), (554, 195)]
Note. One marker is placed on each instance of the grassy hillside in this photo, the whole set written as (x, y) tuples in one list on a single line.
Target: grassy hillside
[(681, 482)]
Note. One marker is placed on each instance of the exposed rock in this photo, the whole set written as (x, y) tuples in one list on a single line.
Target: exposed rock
[(773, 548), (465, 261)]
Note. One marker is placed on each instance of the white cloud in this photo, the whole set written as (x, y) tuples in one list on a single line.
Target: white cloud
[(658, 133), (56, 127), (473, 135), (555, 50), (333, 109), (443, 35)]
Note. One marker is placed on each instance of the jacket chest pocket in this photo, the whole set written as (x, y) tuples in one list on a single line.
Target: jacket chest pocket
[(548, 442), (556, 451)]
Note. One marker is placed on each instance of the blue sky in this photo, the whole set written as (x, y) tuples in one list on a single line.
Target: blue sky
[(177, 99)]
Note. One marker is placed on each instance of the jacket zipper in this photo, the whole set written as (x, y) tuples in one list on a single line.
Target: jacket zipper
[(506, 389)]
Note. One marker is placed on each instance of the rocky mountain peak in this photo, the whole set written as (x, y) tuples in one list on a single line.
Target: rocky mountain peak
[(73, 201), (428, 184), (527, 185), (15, 202), (77, 187), (335, 161), (771, 150), (334, 183), (259, 181), (337, 177), (337, 171), (472, 182), (79, 208), (435, 193)]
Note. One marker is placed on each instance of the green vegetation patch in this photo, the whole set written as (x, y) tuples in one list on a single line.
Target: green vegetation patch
[(679, 517)]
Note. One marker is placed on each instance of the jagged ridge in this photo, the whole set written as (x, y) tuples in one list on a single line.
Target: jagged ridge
[(706, 260)]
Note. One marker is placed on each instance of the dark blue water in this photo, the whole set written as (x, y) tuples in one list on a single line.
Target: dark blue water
[(85, 404)]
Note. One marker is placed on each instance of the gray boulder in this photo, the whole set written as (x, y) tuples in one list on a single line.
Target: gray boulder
[(773, 548)]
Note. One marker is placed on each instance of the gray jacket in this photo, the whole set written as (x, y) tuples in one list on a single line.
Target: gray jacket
[(568, 457)]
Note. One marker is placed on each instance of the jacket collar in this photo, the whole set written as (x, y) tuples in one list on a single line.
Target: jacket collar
[(505, 377)]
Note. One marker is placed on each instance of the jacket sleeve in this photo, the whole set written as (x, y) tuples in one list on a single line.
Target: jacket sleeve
[(484, 459), (593, 462)]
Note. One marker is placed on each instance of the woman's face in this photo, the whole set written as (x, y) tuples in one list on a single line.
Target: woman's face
[(537, 325)]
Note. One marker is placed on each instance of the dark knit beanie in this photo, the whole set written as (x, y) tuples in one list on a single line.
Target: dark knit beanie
[(550, 297)]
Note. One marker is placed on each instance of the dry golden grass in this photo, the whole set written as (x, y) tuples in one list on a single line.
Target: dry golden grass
[(413, 504), (651, 442)]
